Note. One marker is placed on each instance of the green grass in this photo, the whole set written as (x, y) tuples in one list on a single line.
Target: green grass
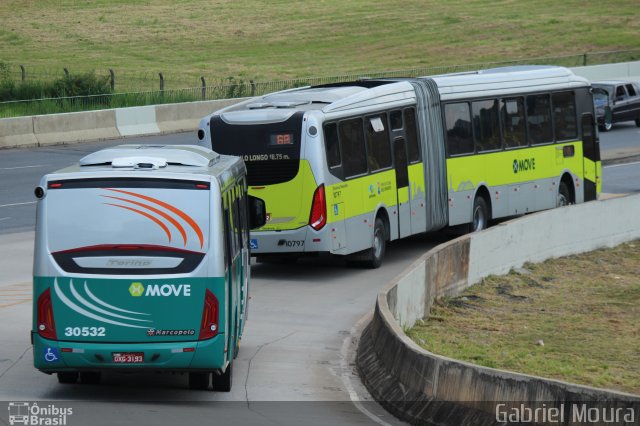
[(275, 40), (585, 309)]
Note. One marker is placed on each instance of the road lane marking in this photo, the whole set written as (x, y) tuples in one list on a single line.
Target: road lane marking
[(4, 218), (18, 204), (15, 294), (15, 303), (21, 167), (621, 165)]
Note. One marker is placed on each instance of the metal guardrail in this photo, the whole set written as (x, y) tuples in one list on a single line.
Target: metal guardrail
[(197, 88)]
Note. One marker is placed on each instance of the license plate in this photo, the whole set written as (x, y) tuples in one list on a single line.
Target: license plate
[(128, 357)]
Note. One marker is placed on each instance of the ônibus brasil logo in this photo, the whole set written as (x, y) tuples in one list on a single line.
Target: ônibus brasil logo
[(137, 289), (31, 414), (524, 165)]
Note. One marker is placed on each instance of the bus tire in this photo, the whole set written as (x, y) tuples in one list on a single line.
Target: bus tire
[(222, 382), (375, 254), (90, 377), (199, 381), (564, 195), (480, 215), (67, 377)]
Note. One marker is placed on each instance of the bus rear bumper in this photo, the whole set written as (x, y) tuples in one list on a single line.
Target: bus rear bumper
[(301, 240), (51, 356)]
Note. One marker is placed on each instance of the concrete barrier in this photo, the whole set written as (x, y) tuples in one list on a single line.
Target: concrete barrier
[(135, 121), (75, 127), (184, 117), (17, 132), (421, 387), (620, 71)]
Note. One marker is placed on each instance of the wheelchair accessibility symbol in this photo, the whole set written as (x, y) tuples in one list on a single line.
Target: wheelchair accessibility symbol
[(253, 244), (51, 355)]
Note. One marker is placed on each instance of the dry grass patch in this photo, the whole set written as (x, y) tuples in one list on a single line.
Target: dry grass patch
[(573, 319)]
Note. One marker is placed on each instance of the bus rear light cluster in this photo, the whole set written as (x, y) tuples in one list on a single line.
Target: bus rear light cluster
[(45, 322), (318, 216), (210, 317)]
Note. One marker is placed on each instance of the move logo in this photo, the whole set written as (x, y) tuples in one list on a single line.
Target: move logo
[(524, 165), (159, 290), (136, 289)]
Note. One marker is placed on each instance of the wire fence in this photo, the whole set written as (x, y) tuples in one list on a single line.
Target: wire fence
[(158, 88)]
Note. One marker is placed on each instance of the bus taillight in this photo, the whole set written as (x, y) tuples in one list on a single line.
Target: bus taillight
[(210, 315), (46, 324), (318, 217)]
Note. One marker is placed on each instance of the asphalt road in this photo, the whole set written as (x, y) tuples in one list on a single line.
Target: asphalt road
[(295, 364)]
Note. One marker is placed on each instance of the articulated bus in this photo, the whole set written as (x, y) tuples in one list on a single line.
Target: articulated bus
[(344, 168), (142, 263)]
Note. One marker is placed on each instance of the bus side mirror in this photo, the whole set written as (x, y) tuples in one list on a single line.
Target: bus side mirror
[(257, 212)]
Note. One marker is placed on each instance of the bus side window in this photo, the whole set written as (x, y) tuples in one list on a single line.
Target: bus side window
[(458, 124), (564, 116), (227, 238), (513, 128), (235, 222), (244, 217), (378, 146), (352, 143), (332, 145), (589, 137), (486, 125), (539, 119), (395, 117), (411, 135)]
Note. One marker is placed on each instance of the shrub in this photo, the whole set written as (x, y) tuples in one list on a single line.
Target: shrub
[(80, 85)]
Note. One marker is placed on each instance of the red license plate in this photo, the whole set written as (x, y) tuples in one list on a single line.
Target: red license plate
[(128, 357)]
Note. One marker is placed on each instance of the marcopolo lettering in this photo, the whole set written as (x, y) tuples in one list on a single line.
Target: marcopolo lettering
[(524, 165)]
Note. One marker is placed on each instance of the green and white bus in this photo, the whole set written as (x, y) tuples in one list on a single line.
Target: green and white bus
[(343, 168), (142, 263)]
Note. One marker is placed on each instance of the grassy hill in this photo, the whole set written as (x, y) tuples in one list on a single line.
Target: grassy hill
[(277, 39)]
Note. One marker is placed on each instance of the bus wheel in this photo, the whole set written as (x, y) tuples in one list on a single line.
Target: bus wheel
[(199, 381), (68, 377), (375, 254), (564, 197), (90, 377), (222, 382), (480, 218)]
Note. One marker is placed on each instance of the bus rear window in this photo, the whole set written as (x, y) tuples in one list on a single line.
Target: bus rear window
[(127, 226), (271, 151)]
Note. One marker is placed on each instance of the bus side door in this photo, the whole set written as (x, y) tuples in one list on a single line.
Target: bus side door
[(402, 186), (233, 261)]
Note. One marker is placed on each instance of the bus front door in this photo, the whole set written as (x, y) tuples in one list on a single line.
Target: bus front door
[(591, 159), (402, 187)]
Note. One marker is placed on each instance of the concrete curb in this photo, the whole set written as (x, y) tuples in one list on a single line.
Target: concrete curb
[(421, 387)]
